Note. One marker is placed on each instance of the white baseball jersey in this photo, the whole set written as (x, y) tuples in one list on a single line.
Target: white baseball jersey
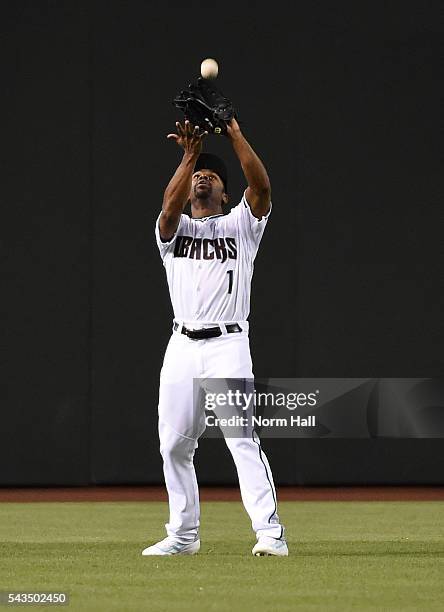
[(209, 265)]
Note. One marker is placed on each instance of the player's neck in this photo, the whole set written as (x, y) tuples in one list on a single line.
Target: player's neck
[(203, 208)]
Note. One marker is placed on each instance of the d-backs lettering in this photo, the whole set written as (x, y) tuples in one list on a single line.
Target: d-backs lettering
[(205, 248)]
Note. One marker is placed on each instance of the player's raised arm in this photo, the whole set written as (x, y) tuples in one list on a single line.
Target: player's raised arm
[(258, 192), (178, 189)]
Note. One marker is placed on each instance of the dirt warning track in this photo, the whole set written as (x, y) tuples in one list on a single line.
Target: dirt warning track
[(158, 493)]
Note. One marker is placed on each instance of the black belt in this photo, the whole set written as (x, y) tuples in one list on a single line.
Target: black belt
[(209, 332)]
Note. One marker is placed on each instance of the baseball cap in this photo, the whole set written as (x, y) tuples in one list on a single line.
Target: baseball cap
[(212, 162)]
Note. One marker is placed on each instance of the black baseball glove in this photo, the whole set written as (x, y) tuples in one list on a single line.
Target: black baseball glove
[(206, 106)]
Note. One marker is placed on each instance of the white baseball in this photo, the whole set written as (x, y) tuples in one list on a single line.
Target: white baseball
[(209, 68)]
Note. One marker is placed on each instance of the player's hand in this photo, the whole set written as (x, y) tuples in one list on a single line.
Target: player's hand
[(189, 137), (233, 128)]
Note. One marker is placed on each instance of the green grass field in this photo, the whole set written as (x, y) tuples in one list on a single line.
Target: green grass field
[(343, 556)]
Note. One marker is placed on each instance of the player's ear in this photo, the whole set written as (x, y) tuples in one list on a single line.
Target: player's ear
[(225, 198)]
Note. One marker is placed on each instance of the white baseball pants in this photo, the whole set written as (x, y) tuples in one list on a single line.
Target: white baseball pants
[(182, 422)]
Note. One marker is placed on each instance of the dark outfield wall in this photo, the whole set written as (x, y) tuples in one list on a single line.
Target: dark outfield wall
[(341, 102), (45, 243)]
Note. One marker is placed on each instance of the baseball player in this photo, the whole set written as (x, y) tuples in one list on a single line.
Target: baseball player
[(208, 259)]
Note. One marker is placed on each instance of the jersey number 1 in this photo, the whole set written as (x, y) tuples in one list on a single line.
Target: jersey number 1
[(230, 280)]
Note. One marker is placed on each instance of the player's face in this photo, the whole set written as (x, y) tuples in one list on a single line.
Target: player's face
[(206, 185)]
